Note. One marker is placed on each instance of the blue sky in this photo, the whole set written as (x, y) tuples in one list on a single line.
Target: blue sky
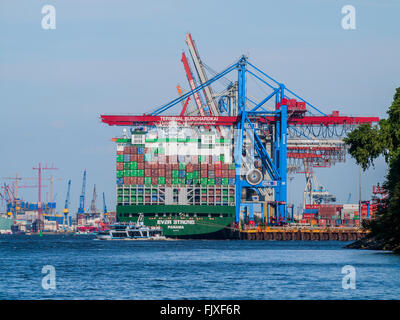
[(124, 57)]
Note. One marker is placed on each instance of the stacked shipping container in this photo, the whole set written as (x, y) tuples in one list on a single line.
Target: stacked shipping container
[(185, 171)]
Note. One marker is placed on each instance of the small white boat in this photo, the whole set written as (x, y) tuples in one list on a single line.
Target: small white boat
[(131, 231)]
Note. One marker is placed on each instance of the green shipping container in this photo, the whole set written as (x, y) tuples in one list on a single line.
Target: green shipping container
[(225, 182), (175, 180), (195, 180), (231, 166), (161, 180), (204, 181), (120, 158), (119, 198), (189, 175), (120, 174), (134, 165), (175, 173), (222, 158), (182, 166), (140, 173), (195, 174), (211, 181), (147, 181)]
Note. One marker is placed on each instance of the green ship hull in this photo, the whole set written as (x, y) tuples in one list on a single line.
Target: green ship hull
[(183, 221)]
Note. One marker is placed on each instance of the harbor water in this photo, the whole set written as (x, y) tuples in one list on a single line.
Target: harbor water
[(85, 268)]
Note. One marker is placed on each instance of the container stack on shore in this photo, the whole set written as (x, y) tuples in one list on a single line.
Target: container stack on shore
[(334, 215)]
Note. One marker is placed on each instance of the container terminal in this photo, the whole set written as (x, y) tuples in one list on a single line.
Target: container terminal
[(214, 163)]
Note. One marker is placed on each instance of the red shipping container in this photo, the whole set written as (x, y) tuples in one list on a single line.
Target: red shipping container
[(225, 173), (218, 173), (154, 165), (218, 165), (134, 180), (147, 172), (133, 150), (231, 173), (161, 172), (140, 180), (154, 180), (120, 152), (196, 167), (140, 157), (126, 181), (189, 167), (140, 165), (162, 166), (154, 172), (162, 159), (120, 166), (225, 166), (134, 157), (175, 166), (147, 165), (168, 181), (203, 166), (168, 173), (203, 173)]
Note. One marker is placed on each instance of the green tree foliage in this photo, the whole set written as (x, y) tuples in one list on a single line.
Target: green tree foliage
[(366, 144)]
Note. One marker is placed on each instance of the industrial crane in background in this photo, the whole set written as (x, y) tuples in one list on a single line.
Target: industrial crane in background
[(81, 208), (105, 213), (93, 208), (66, 206)]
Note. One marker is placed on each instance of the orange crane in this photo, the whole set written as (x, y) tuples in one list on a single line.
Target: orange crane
[(192, 84)]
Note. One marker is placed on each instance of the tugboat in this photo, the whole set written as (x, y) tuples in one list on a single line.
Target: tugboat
[(132, 231)]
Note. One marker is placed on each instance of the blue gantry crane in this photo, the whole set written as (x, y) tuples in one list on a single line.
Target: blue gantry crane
[(104, 205), (81, 208), (66, 206)]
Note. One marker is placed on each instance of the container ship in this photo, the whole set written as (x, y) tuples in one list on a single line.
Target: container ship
[(179, 179)]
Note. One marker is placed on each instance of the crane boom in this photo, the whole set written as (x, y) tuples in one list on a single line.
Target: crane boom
[(189, 76), (81, 208), (66, 207), (202, 75)]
